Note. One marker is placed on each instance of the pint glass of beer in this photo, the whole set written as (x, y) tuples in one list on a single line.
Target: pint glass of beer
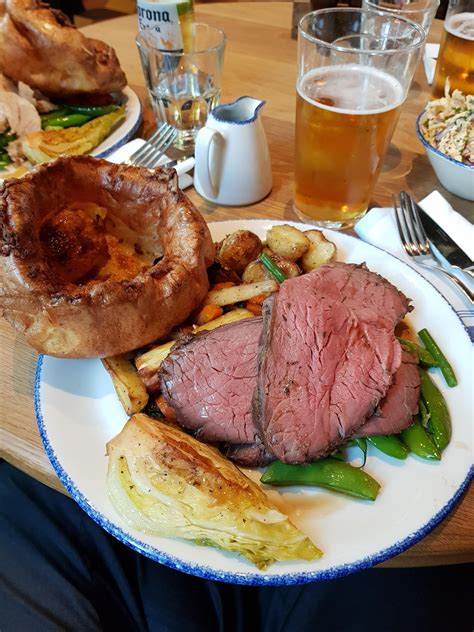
[(456, 53), (354, 70)]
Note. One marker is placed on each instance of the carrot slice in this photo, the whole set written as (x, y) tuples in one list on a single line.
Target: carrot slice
[(220, 286), (255, 309), (208, 313)]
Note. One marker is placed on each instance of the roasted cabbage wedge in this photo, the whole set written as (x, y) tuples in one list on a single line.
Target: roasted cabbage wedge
[(48, 144), (166, 483)]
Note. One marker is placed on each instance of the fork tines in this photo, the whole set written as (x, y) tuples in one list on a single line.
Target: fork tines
[(155, 147), (414, 238)]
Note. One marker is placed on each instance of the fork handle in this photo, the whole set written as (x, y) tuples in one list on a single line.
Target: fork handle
[(465, 289)]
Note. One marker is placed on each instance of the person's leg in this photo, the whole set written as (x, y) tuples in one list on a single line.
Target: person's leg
[(431, 599), (61, 571)]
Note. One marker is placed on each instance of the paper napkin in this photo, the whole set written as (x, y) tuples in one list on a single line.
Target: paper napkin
[(124, 152), (378, 227), (430, 56)]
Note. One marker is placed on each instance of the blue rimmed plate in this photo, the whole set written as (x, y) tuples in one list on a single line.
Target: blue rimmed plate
[(78, 412)]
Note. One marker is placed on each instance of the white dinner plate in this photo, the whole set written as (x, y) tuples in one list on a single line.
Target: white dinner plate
[(126, 130), (121, 135), (78, 412)]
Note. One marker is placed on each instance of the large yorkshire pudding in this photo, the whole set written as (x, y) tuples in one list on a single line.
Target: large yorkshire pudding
[(98, 259), (40, 46)]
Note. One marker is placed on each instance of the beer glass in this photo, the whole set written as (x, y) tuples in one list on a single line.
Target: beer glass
[(184, 86), (420, 11), (456, 54), (354, 70)]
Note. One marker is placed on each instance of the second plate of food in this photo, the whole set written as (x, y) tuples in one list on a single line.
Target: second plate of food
[(78, 412)]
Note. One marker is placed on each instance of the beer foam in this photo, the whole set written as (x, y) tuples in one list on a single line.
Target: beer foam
[(353, 89), (461, 25)]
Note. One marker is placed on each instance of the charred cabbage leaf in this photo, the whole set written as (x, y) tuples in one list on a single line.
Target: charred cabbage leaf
[(166, 483), (47, 145)]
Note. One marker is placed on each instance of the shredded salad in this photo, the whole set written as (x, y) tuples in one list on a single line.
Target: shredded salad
[(448, 125)]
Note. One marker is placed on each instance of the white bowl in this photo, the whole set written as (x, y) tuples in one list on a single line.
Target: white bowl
[(455, 176)]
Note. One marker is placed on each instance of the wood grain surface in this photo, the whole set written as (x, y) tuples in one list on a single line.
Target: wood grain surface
[(260, 61)]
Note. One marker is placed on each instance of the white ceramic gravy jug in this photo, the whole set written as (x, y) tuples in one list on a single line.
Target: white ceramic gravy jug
[(232, 158)]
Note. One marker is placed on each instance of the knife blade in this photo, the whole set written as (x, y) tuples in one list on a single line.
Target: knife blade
[(443, 242)]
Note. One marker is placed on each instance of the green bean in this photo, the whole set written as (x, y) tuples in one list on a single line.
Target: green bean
[(51, 115), (391, 445), (272, 267), (93, 111), (424, 356), (328, 473), (439, 422), (419, 441), (438, 355), (68, 120)]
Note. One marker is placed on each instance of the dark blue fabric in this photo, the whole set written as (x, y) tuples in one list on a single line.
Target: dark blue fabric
[(60, 571)]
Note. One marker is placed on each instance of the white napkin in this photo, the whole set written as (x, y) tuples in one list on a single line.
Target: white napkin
[(430, 55), (378, 227), (124, 152)]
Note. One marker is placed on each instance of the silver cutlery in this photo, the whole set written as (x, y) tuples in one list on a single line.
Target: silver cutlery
[(417, 245), (151, 152)]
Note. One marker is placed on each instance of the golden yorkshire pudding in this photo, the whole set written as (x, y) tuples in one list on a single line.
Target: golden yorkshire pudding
[(40, 46), (97, 259)]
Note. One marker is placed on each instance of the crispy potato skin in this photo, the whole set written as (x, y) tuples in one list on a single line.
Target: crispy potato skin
[(287, 241), (101, 318), (238, 249), (320, 251)]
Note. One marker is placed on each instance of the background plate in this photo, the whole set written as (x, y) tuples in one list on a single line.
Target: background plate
[(78, 412)]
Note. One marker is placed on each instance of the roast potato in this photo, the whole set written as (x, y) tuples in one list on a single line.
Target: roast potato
[(238, 249), (129, 387), (100, 315), (256, 271), (287, 241), (320, 251)]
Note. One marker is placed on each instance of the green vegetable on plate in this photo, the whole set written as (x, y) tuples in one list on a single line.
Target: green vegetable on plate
[(418, 441), (438, 355), (391, 445), (424, 356), (329, 473), (272, 267), (439, 423)]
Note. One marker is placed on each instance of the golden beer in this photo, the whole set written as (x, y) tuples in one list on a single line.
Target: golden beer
[(456, 55), (345, 118)]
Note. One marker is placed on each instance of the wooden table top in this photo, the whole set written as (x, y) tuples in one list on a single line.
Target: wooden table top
[(260, 61)]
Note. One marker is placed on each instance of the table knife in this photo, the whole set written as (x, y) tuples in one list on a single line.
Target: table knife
[(443, 242)]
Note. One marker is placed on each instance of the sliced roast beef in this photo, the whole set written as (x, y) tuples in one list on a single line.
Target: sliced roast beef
[(248, 454), (209, 381), (395, 411), (327, 356)]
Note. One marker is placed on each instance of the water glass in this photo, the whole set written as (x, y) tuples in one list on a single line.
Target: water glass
[(420, 11), (184, 86), (354, 71), (455, 65)]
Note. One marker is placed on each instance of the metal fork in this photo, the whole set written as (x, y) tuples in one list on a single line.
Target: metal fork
[(154, 148), (416, 243)]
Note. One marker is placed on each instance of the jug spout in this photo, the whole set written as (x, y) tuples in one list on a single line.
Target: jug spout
[(241, 111)]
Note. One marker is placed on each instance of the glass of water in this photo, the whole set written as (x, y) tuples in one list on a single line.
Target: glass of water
[(184, 86), (420, 11)]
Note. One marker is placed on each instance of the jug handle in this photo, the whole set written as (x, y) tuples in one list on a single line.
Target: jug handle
[(202, 149)]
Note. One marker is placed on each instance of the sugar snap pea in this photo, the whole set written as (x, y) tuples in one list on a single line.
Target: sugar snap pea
[(418, 441), (439, 422), (360, 443), (438, 355), (391, 445), (328, 473), (424, 356)]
